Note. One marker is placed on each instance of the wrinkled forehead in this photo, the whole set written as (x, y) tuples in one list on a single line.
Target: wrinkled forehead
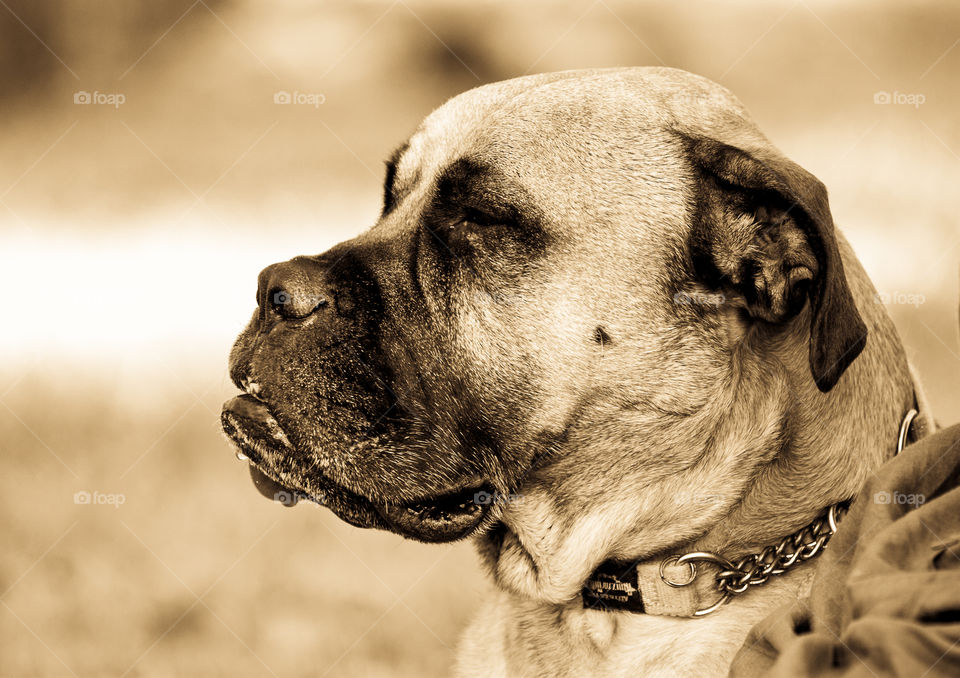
[(574, 115), (452, 130)]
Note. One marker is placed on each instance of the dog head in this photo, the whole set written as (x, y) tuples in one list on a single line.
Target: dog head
[(586, 290)]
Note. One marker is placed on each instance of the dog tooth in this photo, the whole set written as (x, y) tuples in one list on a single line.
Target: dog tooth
[(241, 456), (277, 432)]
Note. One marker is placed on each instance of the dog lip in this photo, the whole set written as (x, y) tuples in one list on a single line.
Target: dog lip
[(271, 489), (248, 405), (247, 420), (447, 517)]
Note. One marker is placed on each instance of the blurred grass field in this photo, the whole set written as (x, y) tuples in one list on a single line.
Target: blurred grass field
[(130, 240), (195, 573)]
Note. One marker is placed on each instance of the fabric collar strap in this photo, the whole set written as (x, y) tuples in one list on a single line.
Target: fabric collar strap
[(671, 587)]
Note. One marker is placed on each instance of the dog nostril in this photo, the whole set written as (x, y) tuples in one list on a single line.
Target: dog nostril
[(291, 305)]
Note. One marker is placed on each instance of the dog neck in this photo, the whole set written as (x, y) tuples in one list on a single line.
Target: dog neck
[(573, 638), (672, 585)]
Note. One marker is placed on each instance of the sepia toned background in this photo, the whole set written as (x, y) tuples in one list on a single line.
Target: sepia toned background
[(151, 168)]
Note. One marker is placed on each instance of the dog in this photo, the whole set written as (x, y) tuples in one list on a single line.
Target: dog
[(601, 319)]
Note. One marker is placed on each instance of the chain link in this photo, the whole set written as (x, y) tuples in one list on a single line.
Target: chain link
[(801, 546)]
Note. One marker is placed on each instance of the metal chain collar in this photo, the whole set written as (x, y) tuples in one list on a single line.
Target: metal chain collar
[(800, 546), (735, 577), (754, 569)]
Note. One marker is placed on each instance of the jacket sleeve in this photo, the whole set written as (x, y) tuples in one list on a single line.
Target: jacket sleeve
[(885, 600)]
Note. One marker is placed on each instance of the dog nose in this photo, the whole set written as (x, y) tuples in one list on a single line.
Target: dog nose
[(292, 289)]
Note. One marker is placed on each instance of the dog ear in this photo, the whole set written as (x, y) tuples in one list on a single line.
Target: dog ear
[(762, 226)]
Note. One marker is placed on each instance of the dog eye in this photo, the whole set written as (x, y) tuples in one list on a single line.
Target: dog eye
[(478, 218)]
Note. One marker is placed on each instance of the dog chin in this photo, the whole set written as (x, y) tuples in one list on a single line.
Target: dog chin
[(442, 517)]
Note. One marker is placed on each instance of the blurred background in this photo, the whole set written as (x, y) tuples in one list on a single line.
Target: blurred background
[(151, 167)]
